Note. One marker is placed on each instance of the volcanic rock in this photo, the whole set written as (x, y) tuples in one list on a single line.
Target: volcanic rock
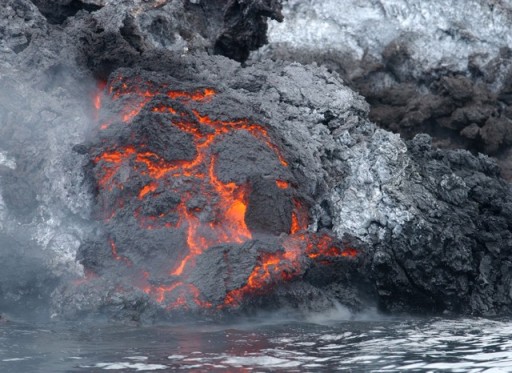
[(228, 27), (432, 220), (57, 11), (229, 180), (439, 67), (189, 184)]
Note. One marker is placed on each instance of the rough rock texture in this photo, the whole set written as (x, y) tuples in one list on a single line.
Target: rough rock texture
[(439, 220), (435, 222), (431, 228), (229, 27), (128, 28), (57, 11), (46, 108), (441, 67), (141, 223), (463, 217)]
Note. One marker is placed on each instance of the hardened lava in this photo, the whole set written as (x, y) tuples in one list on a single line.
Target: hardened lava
[(183, 194)]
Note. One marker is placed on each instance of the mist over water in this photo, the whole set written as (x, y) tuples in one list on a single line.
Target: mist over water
[(263, 343)]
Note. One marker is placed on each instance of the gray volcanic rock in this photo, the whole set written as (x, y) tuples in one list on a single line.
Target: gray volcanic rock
[(437, 219), (228, 27), (442, 67), (440, 33), (57, 11), (19, 23), (122, 30), (434, 222)]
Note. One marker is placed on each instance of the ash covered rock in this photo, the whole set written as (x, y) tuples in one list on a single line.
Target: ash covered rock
[(442, 67), (19, 23), (114, 33), (431, 253), (57, 11)]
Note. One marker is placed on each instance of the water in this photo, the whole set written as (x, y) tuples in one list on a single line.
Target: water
[(316, 344)]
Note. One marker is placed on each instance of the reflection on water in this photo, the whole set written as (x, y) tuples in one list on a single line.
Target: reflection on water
[(361, 344)]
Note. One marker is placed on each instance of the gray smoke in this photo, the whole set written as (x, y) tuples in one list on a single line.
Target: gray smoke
[(45, 109)]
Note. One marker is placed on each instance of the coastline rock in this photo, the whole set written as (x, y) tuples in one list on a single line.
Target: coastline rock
[(431, 227)]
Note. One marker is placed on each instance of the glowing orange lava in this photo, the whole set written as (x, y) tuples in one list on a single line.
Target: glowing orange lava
[(271, 270), (349, 252), (282, 184), (147, 189), (116, 256), (227, 201)]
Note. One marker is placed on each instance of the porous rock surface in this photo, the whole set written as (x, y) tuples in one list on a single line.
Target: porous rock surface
[(229, 27), (290, 101), (441, 67)]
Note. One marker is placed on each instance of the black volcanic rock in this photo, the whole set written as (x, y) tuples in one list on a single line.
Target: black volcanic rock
[(118, 33), (246, 27), (57, 11), (467, 232), (269, 207)]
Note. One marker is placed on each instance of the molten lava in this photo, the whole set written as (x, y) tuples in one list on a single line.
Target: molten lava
[(221, 219)]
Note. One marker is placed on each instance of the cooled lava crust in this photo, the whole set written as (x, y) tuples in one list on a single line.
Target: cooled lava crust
[(199, 211)]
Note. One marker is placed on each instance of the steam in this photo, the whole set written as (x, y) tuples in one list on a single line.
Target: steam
[(44, 204), (329, 316)]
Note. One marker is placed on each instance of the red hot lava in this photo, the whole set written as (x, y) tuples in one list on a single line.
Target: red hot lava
[(222, 218)]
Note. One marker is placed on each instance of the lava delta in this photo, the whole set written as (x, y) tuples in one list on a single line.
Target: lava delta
[(198, 210)]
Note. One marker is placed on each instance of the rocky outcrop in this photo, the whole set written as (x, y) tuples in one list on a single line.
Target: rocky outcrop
[(441, 67), (430, 224), (408, 227)]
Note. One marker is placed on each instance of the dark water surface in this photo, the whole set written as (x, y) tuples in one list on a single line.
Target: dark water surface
[(262, 345)]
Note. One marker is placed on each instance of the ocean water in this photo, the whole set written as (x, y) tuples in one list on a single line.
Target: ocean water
[(368, 343)]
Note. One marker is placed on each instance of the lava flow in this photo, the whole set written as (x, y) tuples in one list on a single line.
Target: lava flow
[(168, 170)]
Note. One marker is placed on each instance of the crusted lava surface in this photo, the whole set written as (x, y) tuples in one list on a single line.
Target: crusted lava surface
[(200, 211)]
